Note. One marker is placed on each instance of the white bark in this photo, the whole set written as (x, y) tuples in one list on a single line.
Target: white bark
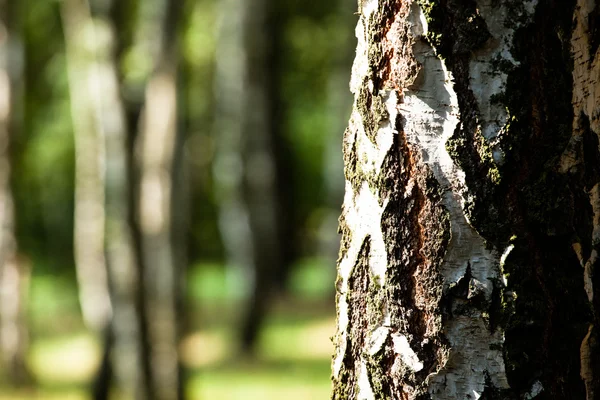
[(429, 110), (80, 40), (156, 148), (123, 268)]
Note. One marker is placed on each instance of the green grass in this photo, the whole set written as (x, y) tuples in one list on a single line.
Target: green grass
[(309, 278), (313, 278), (263, 380), (293, 355)]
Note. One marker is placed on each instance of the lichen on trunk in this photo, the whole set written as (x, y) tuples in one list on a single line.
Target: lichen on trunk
[(471, 204)]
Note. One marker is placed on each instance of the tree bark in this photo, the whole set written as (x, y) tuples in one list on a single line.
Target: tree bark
[(14, 269), (159, 143), (471, 216)]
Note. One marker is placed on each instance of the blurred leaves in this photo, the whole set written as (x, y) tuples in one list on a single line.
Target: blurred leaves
[(312, 35)]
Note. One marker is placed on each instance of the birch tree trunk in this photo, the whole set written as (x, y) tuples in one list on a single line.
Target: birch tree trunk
[(244, 166), (471, 219), (125, 346), (92, 280), (14, 270), (159, 143)]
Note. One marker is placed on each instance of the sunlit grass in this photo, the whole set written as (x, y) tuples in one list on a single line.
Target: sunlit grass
[(67, 359), (46, 394), (308, 341), (292, 360), (263, 380)]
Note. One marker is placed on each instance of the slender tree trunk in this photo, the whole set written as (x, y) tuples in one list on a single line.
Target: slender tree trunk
[(14, 270), (94, 297), (157, 147), (230, 97), (286, 217), (125, 344), (244, 163), (471, 215)]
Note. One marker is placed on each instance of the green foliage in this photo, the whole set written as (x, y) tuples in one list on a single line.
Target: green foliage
[(313, 36)]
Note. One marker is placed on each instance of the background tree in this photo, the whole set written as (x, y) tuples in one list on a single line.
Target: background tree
[(160, 195), (14, 268), (126, 348), (65, 44), (245, 167), (471, 164), (89, 221)]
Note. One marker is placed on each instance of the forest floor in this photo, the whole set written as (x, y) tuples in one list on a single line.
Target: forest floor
[(292, 359)]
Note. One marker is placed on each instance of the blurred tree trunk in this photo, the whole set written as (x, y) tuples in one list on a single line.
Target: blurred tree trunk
[(244, 165), (468, 265), (94, 296), (99, 107), (286, 214), (160, 194), (14, 269), (340, 105)]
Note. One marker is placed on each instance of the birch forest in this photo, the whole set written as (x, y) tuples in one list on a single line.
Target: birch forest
[(300, 199), (170, 183)]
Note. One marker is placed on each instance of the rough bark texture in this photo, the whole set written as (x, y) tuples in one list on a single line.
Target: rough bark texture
[(469, 225)]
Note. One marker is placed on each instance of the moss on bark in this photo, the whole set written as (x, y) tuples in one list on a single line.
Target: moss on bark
[(533, 200)]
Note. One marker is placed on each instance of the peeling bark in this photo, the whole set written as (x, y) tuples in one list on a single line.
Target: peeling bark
[(471, 203)]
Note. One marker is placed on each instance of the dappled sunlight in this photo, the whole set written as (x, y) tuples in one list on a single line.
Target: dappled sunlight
[(201, 349), (310, 341), (58, 395), (72, 359), (307, 341), (256, 390), (293, 362)]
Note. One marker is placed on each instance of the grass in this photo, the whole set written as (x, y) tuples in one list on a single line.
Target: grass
[(292, 361)]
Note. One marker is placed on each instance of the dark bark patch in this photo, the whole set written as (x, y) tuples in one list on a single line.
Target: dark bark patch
[(346, 238), (591, 154), (379, 24), (357, 297), (351, 171), (594, 29), (533, 202), (455, 26), (490, 392), (372, 110), (416, 227), (544, 334), (400, 66)]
